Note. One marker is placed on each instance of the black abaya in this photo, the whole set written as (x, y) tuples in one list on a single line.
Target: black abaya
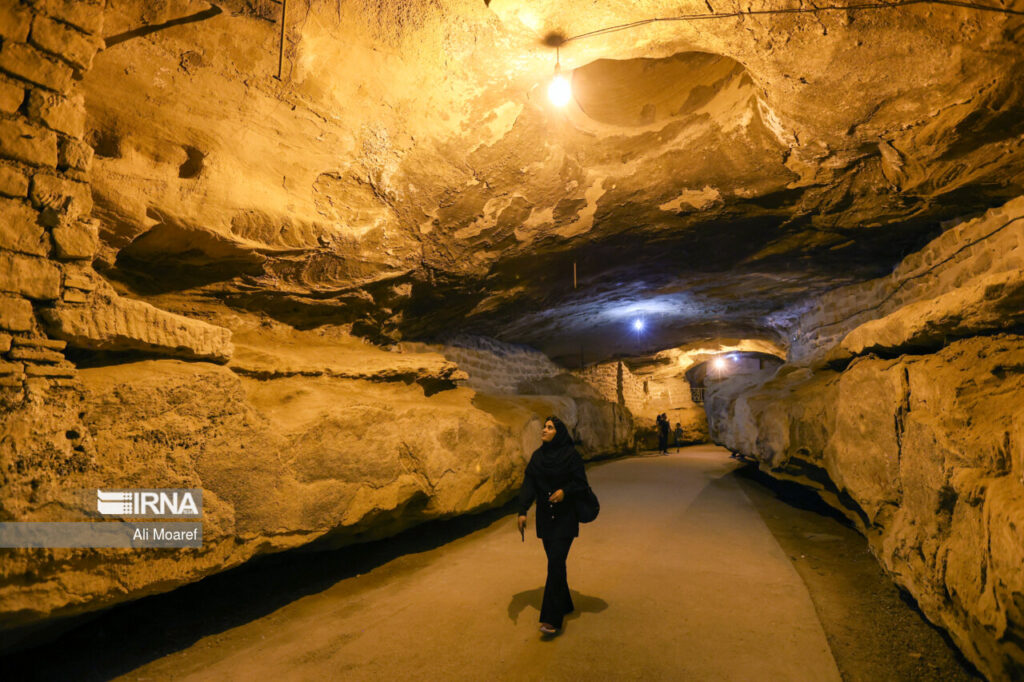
[(555, 466), (557, 599)]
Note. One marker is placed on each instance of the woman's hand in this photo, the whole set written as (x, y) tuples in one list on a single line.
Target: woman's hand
[(557, 496), (521, 521)]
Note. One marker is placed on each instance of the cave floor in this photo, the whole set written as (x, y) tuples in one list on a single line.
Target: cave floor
[(692, 571), (678, 579)]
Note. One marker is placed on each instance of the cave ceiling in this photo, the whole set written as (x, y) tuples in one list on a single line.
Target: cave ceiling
[(408, 175)]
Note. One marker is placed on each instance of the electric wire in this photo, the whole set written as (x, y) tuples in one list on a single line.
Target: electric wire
[(795, 10)]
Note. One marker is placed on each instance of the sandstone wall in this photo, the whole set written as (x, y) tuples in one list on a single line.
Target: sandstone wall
[(970, 262), (647, 396), (906, 415), (600, 423), (667, 393), (50, 296), (302, 437), (46, 235), (670, 395), (496, 367), (617, 384), (294, 439)]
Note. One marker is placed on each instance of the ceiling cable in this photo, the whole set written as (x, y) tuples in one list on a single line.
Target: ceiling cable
[(795, 10)]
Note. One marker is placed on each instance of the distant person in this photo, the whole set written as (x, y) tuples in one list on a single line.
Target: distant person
[(663, 433), (657, 430), (678, 435), (555, 473)]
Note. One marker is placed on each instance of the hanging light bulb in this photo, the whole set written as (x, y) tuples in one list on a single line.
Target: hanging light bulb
[(559, 91)]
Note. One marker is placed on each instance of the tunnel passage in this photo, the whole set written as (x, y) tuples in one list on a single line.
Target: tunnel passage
[(332, 265)]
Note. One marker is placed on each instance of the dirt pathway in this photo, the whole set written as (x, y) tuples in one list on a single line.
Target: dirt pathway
[(678, 579)]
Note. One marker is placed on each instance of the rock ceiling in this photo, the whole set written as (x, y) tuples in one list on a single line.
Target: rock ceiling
[(407, 174)]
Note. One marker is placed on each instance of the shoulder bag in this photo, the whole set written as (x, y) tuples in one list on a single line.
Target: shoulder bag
[(587, 506)]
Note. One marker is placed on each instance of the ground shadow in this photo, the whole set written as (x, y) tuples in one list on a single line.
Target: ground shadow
[(792, 493), (533, 598)]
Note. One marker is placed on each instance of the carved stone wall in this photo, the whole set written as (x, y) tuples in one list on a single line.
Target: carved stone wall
[(617, 384), (646, 397), (496, 367), (47, 237)]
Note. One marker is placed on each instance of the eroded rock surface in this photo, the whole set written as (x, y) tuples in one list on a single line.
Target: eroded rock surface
[(964, 282), (759, 158), (302, 437), (105, 321), (920, 447)]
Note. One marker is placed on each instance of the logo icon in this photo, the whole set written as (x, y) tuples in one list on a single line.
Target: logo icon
[(114, 503), (158, 502)]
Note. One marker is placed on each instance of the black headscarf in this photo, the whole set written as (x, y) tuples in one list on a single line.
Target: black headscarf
[(554, 458)]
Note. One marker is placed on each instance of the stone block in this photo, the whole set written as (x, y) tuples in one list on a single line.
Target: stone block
[(35, 355), (5, 342), (13, 381), (29, 143), (15, 314), (77, 241), (62, 370), (111, 322), (13, 182), (11, 96), (14, 22), (29, 276), (32, 65), (40, 342), (62, 201), (79, 279), (73, 46), (84, 14), (74, 296), (77, 176), (8, 368), (63, 114), (72, 153), (37, 388), (20, 230)]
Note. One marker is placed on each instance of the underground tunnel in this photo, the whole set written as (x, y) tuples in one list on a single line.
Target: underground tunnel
[(290, 288)]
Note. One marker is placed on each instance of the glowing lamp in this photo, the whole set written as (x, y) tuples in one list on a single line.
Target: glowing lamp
[(638, 325), (719, 363), (559, 91)]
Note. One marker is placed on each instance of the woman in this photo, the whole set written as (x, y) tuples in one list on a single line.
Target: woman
[(555, 473), (663, 433)]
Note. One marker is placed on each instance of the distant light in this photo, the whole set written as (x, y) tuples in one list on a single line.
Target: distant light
[(559, 91), (638, 325), (719, 363)]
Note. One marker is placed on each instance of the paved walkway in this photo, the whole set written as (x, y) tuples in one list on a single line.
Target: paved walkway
[(679, 579)]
